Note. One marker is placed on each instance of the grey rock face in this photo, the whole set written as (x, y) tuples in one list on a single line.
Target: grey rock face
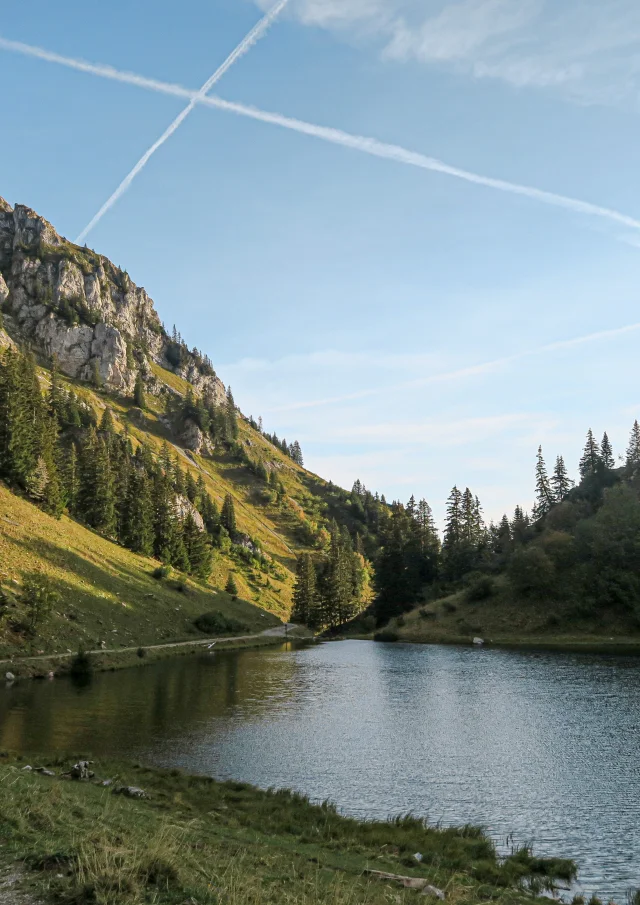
[(191, 437), (71, 302), (185, 507)]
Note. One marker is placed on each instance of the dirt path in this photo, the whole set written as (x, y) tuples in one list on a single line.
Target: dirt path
[(280, 631)]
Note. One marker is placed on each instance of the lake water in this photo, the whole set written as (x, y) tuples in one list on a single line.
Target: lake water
[(541, 745)]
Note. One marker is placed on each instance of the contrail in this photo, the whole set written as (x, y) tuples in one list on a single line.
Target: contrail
[(254, 35), (363, 144)]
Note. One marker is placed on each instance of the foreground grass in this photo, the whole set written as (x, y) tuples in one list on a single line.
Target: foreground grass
[(193, 840)]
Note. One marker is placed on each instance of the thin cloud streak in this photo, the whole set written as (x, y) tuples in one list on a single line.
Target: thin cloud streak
[(370, 146), (258, 31), (471, 371)]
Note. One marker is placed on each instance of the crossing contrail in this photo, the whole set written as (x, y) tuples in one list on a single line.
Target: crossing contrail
[(359, 143), (254, 35)]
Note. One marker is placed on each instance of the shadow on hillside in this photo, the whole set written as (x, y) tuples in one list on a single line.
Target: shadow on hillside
[(106, 574)]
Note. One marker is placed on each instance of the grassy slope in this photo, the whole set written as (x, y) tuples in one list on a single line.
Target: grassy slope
[(108, 593), (195, 840), (505, 620)]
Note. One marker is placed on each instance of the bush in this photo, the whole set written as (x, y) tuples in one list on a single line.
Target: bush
[(426, 614), (531, 572), (161, 572), (481, 588), (216, 623), (141, 653), (386, 635), (40, 596), (449, 607)]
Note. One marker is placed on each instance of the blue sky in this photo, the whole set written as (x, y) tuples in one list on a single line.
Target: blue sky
[(394, 320)]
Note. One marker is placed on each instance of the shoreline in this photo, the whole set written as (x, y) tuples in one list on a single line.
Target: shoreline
[(41, 665), (587, 645), (170, 837)]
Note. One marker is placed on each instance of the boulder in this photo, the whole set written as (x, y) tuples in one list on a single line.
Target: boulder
[(191, 437)]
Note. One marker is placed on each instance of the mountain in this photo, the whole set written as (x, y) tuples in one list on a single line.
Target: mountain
[(122, 450)]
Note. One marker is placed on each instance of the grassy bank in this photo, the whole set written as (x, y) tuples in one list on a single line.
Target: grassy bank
[(62, 664), (503, 620), (193, 840)]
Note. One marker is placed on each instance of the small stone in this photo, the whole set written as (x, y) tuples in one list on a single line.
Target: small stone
[(44, 772), (418, 856), (130, 792), (27, 769), (10, 677)]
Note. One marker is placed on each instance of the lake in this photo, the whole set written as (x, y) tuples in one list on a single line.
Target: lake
[(542, 745)]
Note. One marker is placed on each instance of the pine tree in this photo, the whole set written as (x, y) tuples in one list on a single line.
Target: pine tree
[(231, 587), (164, 517), (96, 376), (71, 478), (453, 522), (544, 493), (137, 528), (107, 424), (138, 392), (231, 418), (305, 594), (54, 498), (104, 504), (191, 488), (55, 397), (590, 461), (561, 483), (606, 453), (198, 550), (228, 515), (633, 449)]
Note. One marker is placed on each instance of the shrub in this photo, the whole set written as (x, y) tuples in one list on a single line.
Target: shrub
[(449, 607), (531, 572), (426, 614), (161, 572), (141, 653), (216, 623), (40, 597), (481, 588), (386, 635)]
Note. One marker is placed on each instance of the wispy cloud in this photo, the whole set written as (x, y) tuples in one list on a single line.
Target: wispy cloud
[(362, 144), (586, 49), (475, 370), (257, 32)]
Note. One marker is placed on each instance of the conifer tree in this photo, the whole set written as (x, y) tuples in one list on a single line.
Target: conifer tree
[(590, 460), (231, 587), (544, 493), (138, 392), (606, 453), (53, 498), (191, 488), (137, 529), (55, 397), (103, 513), (107, 424), (561, 483), (228, 515), (453, 522), (198, 550), (231, 418), (633, 449), (96, 376), (164, 517), (305, 594), (71, 479)]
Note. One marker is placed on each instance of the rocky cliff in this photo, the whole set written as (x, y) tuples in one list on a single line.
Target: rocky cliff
[(68, 301)]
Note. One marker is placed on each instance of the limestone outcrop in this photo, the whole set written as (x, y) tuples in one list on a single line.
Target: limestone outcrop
[(70, 302)]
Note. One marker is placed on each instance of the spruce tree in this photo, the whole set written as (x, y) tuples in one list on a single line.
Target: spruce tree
[(560, 481), (138, 392), (231, 418), (606, 453), (137, 529), (544, 493), (633, 449), (228, 515), (198, 550), (591, 459), (305, 593), (107, 424), (71, 478), (231, 587), (164, 517)]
